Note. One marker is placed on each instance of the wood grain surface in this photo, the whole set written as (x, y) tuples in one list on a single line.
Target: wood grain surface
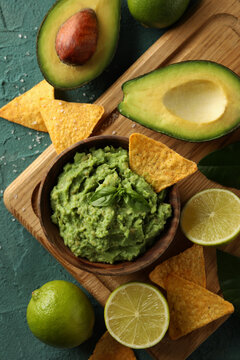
[(211, 31)]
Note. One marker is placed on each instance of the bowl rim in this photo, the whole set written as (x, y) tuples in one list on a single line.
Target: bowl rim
[(120, 268)]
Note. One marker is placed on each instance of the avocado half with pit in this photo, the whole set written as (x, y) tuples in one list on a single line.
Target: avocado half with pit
[(77, 40), (192, 100)]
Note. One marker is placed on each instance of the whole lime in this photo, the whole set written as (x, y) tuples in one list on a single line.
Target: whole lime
[(157, 13), (60, 314)]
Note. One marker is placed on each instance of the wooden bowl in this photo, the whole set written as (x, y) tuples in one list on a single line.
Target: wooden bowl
[(52, 232)]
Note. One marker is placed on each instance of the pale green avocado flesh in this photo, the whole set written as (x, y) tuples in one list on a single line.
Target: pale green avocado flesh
[(65, 76), (193, 100)]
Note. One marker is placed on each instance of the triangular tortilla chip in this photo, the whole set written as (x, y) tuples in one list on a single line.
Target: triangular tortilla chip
[(158, 164), (189, 265), (191, 306), (109, 349), (68, 123), (25, 109)]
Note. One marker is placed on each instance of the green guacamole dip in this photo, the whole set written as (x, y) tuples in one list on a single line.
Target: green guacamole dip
[(106, 212)]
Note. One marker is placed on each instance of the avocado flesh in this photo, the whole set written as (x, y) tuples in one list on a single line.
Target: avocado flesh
[(65, 76), (193, 100)]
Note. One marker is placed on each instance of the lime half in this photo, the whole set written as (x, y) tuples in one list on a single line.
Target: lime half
[(137, 315), (211, 217)]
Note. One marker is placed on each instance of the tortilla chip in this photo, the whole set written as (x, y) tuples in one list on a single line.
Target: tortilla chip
[(108, 348), (24, 109), (158, 164), (189, 264), (191, 306), (68, 123)]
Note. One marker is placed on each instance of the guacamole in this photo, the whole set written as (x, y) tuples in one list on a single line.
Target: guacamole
[(104, 211)]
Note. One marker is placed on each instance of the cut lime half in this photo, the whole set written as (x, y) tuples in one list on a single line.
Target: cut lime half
[(211, 217), (137, 315)]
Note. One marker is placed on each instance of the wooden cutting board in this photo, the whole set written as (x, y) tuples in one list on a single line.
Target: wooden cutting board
[(211, 31)]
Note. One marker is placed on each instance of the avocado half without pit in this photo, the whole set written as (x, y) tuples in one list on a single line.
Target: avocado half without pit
[(77, 40), (192, 100)]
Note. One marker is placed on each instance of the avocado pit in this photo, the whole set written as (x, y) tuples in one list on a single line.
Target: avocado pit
[(76, 40), (199, 101)]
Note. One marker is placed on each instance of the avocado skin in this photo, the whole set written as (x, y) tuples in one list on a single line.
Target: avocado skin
[(170, 132), (69, 86)]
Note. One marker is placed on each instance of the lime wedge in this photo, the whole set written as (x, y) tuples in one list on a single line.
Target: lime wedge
[(137, 315), (211, 217)]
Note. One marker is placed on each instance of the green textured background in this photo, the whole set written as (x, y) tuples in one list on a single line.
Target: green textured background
[(24, 264)]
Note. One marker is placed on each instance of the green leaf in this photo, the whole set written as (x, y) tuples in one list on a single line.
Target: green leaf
[(229, 278), (104, 197), (223, 166), (108, 194), (137, 201)]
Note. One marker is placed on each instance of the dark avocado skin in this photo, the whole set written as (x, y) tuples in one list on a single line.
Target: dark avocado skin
[(48, 79), (169, 132), (38, 34)]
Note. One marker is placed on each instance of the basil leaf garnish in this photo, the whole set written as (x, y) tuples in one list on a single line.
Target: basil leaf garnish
[(137, 201), (223, 166), (108, 194), (106, 190), (229, 278), (104, 201), (104, 197)]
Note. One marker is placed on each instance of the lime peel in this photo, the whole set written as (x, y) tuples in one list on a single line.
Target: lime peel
[(60, 314)]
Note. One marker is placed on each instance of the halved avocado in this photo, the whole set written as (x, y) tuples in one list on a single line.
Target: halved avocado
[(192, 100), (60, 74)]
